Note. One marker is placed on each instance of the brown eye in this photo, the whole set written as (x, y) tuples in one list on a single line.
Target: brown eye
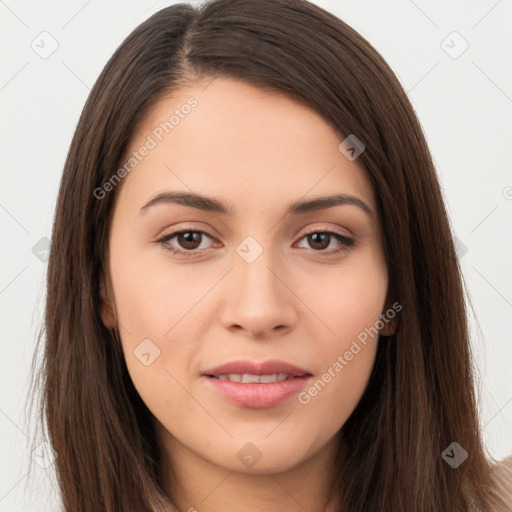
[(187, 241), (319, 241)]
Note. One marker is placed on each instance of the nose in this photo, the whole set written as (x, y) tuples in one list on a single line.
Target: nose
[(260, 302)]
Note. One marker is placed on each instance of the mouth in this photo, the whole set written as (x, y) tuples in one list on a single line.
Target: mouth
[(247, 371), (247, 378), (258, 385)]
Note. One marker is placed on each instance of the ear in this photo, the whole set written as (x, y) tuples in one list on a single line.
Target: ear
[(107, 308), (390, 316)]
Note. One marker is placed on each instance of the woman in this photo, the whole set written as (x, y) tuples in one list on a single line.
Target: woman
[(230, 158)]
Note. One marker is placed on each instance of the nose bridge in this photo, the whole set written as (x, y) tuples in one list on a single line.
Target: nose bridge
[(255, 272), (259, 299)]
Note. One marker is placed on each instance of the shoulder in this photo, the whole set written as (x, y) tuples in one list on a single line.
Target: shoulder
[(502, 472)]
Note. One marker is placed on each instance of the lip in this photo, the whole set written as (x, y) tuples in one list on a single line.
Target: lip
[(257, 395), (268, 367)]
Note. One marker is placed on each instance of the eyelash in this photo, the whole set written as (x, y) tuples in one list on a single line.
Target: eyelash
[(347, 243)]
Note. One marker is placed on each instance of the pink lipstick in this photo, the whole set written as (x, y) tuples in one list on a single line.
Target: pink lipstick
[(257, 385)]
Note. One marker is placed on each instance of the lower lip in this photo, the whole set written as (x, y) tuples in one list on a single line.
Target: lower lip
[(258, 396)]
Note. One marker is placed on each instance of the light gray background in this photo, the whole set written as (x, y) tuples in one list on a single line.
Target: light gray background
[(464, 105)]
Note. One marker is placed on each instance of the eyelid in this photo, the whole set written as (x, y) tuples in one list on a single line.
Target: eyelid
[(347, 241), (323, 229)]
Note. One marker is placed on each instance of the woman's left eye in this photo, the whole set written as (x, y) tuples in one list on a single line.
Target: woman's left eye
[(322, 240), (190, 241)]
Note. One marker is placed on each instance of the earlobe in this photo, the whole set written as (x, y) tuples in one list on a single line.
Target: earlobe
[(389, 327), (389, 318), (108, 315)]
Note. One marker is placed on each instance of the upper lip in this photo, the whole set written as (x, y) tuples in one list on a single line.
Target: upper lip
[(269, 367)]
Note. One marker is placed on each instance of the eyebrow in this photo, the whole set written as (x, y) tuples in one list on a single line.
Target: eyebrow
[(210, 204)]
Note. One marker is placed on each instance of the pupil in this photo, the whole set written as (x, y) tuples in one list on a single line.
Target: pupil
[(189, 239), (323, 237)]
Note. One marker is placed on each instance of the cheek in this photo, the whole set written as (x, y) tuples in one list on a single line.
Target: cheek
[(333, 395), (153, 294), (161, 316), (349, 301), (349, 298)]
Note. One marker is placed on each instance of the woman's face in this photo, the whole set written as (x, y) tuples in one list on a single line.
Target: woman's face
[(250, 280)]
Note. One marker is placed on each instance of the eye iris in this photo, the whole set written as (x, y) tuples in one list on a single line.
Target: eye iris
[(316, 238), (189, 237)]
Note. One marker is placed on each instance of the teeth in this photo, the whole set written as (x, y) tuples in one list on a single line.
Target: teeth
[(273, 378), (247, 378)]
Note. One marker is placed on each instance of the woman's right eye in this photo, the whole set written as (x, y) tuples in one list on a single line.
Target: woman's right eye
[(187, 239)]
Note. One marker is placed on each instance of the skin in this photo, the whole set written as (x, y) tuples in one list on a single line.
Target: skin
[(257, 151)]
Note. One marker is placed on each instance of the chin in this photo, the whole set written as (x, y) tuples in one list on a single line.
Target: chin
[(259, 457)]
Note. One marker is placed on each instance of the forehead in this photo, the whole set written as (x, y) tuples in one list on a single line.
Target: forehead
[(231, 139)]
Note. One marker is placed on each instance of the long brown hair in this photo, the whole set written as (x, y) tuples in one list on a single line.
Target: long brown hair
[(420, 397)]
